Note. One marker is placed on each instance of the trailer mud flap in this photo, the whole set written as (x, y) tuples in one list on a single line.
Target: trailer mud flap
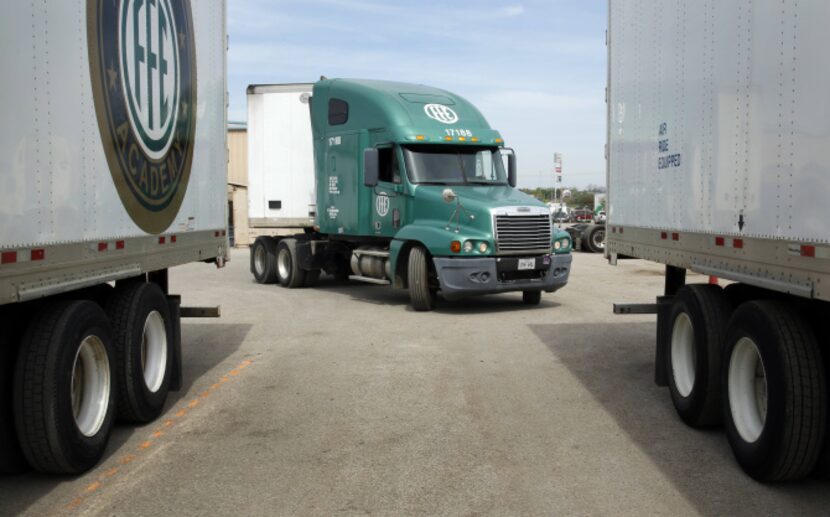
[(661, 374)]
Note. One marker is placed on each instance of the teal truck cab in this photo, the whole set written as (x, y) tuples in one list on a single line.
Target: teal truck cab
[(415, 190)]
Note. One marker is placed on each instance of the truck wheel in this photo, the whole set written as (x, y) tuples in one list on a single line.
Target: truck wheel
[(64, 396), (142, 331), (531, 297), (288, 272), (264, 260), (11, 457), (420, 293), (311, 277), (776, 406), (594, 238), (698, 320)]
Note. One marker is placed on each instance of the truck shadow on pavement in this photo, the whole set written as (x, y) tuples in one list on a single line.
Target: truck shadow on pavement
[(614, 362), (385, 295), (204, 346)]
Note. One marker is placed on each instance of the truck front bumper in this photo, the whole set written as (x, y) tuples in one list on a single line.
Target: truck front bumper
[(461, 277)]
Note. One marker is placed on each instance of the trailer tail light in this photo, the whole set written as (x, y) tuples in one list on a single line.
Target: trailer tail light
[(738, 243), (808, 251), (162, 239), (719, 241), (38, 254), (102, 246), (664, 235), (8, 257), (455, 246), (675, 236), (172, 238), (119, 245)]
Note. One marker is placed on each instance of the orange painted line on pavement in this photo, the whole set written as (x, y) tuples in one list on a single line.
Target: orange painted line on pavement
[(130, 458)]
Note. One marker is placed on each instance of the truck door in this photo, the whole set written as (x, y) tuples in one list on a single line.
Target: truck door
[(387, 196), (339, 193)]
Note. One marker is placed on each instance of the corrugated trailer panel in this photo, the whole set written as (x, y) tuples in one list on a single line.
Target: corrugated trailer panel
[(55, 182), (281, 166), (719, 118)]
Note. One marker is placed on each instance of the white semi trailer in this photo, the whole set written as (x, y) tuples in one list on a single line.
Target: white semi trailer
[(112, 171), (718, 125)]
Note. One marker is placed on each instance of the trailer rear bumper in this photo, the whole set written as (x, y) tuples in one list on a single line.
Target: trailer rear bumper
[(460, 277)]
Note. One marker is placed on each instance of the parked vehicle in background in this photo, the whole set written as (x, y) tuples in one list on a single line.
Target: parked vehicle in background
[(732, 185), (587, 237), (599, 217), (98, 202), (581, 215), (560, 217), (412, 191)]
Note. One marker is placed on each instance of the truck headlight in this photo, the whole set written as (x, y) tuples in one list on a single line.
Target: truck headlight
[(557, 245), (468, 247), (483, 247)]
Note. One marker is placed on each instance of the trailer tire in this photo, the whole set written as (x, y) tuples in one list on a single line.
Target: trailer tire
[(593, 238), (289, 273), (63, 427), (776, 433), (531, 297), (264, 260), (11, 457), (423, 297), (143, 339), (697, 325)]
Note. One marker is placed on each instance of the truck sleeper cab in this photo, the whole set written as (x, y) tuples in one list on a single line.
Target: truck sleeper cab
[(415, 190)]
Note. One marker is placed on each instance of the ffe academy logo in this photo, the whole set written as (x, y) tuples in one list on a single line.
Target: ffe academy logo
[(143, 67)]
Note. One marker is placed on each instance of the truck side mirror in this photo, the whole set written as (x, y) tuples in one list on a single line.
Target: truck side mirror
[(371, 169), (511, 166)]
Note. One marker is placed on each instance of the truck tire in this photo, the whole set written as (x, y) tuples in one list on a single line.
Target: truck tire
[(289, 273), (11, 457), (420, 293), (776, 399), (264, 260), (593, 238), (311, 277), (64, 391), (699, 315), (531, 297), (143, 339)]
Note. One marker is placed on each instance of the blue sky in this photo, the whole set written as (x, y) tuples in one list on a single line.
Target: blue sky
[(536, 69)]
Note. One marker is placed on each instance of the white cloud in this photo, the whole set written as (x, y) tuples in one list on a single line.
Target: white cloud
[(513, 10)]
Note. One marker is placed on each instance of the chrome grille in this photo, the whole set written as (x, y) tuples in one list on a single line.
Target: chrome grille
[(516, 234)]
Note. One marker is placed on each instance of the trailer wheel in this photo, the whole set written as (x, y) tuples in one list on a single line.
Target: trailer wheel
[(594, 238), (776, 407), (264, 260), (289, 273), (143, 337), (531, 297), (11, 457), (64, 396), (421, 294), (699, 315)]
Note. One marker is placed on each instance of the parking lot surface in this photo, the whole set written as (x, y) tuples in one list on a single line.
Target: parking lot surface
[(340, 399)]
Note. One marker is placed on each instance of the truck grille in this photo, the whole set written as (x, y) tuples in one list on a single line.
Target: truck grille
[(516, 234)]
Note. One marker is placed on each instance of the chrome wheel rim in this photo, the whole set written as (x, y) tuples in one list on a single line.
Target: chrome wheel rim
[(283, 263), (90, 386), (259, 260), (154, 351), (599, 239)]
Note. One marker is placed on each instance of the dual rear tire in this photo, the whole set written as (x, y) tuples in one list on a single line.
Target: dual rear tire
[(759, 372), (78, 368)]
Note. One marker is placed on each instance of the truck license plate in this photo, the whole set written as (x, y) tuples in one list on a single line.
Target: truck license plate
[(526, 264)]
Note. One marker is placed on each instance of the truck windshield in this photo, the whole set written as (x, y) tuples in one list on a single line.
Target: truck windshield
[(446, 165)]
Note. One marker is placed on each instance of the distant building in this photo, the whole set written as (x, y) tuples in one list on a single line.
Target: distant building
[(238, 184)]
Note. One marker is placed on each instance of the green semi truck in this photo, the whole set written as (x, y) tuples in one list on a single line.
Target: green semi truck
[(395, 184)]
